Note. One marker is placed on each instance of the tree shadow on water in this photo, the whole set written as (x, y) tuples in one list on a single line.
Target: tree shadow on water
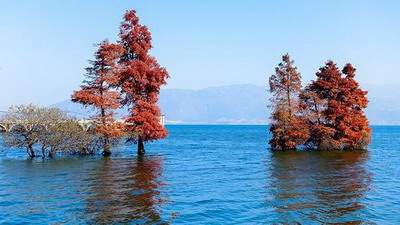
[(319, 187), (126, 191)]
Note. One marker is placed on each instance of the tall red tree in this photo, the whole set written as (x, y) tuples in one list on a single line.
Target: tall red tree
[(140, 78), (333, 107), (97, 92), (354, 127), (287, 127), (321, 108)]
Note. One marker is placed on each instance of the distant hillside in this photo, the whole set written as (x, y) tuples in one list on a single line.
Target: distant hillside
[(244, 104), (384, 104), (235, 104)]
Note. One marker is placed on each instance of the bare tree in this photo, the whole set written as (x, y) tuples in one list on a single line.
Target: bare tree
[(50, 129), (68, 137), (27, 123)]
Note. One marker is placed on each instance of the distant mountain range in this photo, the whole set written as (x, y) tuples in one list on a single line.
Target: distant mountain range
[(243, 104)]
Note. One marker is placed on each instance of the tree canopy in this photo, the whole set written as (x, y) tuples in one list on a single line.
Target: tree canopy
[(328, 114)]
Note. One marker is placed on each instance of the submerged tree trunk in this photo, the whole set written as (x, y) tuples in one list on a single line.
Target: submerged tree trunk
[(30, 151), (141, 150), (106, 141), (43, 152), (106, 147)]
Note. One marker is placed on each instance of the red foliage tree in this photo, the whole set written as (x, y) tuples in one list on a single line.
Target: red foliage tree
[(97, 92), (140, 78), (287, 127), (354, 127), (333, 107), (321, 108)]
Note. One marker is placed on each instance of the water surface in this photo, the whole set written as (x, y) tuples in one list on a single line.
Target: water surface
[(207, 175)]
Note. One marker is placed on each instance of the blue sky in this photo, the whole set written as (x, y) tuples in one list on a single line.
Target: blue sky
[(45, 45)]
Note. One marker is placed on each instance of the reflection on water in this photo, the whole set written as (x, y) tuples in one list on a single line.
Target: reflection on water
[(82, 191), (322, 187), (212, 175), (126, 190)]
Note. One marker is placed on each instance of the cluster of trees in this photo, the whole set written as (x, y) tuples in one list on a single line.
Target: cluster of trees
[(327, 114), (123, 74), (50, 129)]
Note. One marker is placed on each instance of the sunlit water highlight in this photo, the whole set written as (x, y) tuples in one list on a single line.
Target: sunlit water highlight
[(207, 175)]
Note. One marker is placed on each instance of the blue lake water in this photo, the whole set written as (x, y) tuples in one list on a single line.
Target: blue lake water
[(207, 175)]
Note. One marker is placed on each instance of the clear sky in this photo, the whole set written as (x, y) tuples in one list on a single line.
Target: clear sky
[(45, 45)]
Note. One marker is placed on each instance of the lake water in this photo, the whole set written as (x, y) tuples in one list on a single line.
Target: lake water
[(207, 175)]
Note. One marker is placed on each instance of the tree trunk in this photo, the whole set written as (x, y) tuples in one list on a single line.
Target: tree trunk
[(43, 152), (31, 152), (141, 150), (289, 103), (106, 147)]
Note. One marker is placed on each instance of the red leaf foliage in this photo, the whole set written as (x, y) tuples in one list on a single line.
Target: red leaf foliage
[(287, 127), (333, 107), (140, 78), (97, 92), (328, 114)]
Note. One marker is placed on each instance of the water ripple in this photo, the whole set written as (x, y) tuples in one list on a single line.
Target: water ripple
[(207, 175)]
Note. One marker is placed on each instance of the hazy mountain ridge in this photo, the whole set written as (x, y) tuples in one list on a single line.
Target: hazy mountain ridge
[(244, 104)]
